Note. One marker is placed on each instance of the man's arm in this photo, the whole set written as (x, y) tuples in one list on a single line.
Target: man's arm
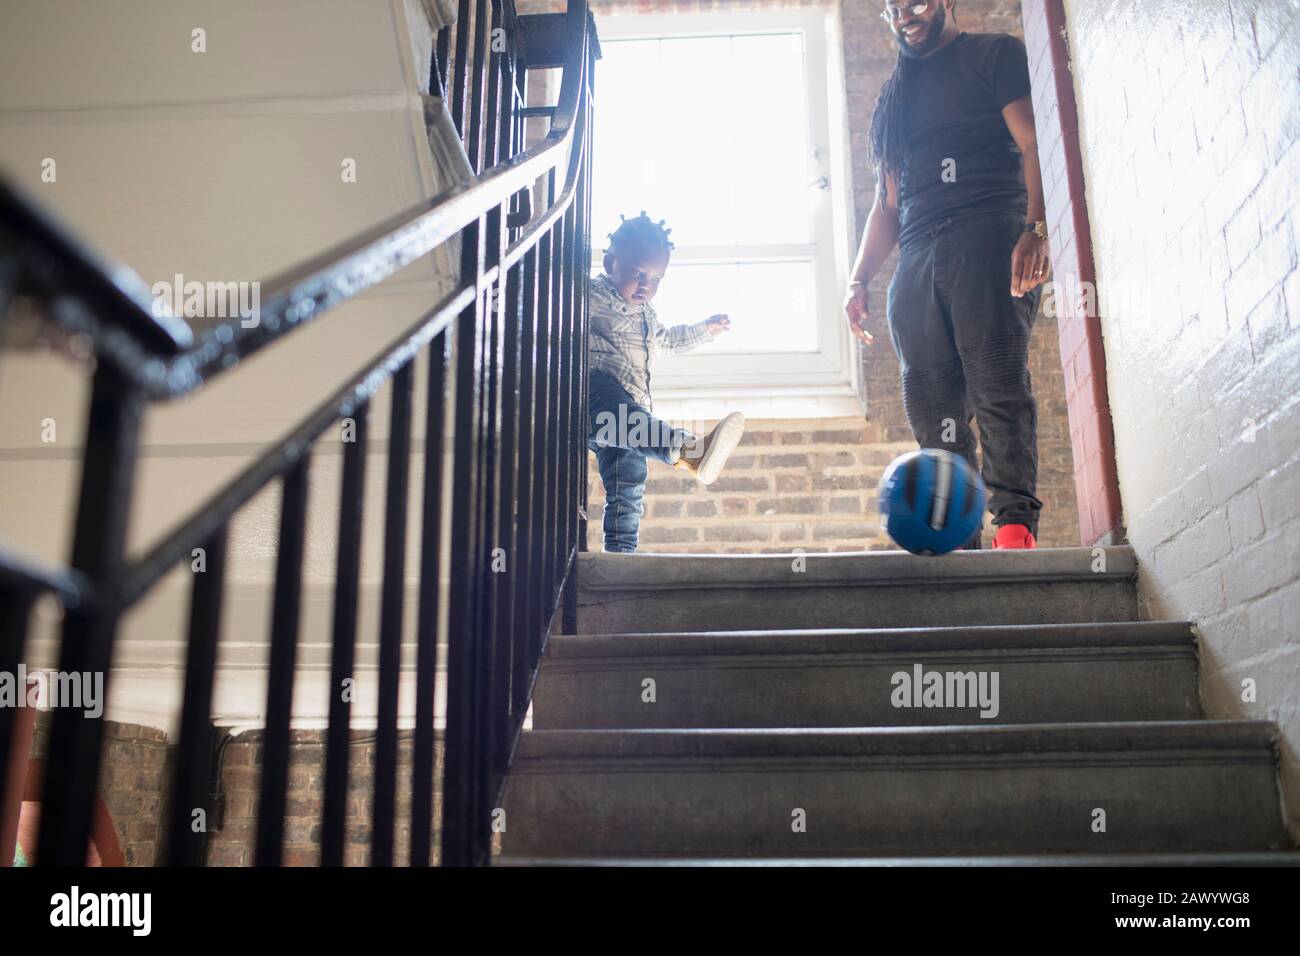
[(878, 241), (1029, 261)]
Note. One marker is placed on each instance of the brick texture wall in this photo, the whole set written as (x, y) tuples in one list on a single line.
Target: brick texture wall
[(234, 842), (792, 484), (131, 783), (136, 773), (1190, 126), (809, 505)]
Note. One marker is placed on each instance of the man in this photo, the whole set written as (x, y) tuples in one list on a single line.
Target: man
[(959, 191)]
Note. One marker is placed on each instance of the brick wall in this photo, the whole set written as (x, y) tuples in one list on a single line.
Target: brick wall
[(136, 772), (807, 510), (131, 783), (234, 842), (792, 484), (1189, 122)]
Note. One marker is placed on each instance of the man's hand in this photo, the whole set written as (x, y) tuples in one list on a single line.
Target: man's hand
[(1029, 265), (717, 324), (858, 312)]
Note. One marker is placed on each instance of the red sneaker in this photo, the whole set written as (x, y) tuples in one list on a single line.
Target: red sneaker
[(1014, 536)]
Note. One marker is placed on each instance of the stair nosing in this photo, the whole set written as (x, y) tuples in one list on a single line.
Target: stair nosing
[(1222, 737), (605, 573), (1173, 638)]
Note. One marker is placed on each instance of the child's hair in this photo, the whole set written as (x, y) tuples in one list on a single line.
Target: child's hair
[(640, 235)]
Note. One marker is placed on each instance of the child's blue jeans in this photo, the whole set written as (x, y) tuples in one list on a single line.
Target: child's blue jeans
[(623, 434)]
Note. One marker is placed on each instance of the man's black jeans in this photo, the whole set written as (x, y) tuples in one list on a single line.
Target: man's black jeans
[(963, 344)]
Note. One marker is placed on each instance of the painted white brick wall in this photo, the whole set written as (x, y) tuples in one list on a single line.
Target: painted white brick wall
[(1189, 117)]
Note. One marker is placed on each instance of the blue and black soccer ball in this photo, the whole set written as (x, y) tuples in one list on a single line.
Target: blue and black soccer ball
[(931, 501)]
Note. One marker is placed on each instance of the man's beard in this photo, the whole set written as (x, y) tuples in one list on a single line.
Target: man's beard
[(931, 39)]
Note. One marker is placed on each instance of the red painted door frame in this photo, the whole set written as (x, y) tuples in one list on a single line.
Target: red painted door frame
[(1083, 358)]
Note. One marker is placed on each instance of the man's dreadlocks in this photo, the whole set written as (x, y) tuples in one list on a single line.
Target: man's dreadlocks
[(887, 144), (640, 234), (887, 127)]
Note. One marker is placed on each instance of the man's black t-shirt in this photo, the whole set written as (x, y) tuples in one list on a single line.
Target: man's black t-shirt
[(960, 160)]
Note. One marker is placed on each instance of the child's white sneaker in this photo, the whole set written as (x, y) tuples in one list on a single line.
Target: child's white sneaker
[(707, 456)]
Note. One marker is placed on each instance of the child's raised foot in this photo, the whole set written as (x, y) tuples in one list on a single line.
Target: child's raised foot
[(706, 457)]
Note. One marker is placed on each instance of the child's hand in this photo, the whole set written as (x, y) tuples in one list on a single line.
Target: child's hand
[(718, 324)]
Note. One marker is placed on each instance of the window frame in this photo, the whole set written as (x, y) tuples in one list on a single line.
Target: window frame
[(824, 383)]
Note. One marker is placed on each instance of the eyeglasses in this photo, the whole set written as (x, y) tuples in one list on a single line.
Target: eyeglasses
[(892, 13)]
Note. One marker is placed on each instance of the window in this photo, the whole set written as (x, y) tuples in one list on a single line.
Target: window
[(720, 125)]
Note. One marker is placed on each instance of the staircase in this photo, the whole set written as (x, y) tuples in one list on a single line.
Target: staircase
[(754, 708)]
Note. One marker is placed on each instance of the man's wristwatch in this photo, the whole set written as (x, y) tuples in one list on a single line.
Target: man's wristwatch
[(1038, 228)]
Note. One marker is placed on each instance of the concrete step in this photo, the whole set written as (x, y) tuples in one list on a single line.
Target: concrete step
[(887, 792), (1259, 858), (629, 593), (1037, 673)]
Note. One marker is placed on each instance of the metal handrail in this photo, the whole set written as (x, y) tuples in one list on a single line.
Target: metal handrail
[(518, 473)]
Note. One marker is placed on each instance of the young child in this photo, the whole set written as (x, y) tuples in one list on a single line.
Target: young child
[(625, 334)]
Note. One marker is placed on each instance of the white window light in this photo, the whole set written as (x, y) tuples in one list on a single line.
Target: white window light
[(721, 124)]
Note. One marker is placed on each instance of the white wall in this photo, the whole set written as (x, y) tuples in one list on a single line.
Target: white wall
[(224, 165), (1189, 119)]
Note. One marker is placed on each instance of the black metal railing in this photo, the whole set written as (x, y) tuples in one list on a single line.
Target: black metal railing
[(507, 348)]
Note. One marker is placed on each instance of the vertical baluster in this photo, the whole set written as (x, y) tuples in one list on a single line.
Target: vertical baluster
[(492, 105), (493, 450), (541, 444), (460, 82), (563, 534), (390, 617), (108, 466), (426, 662), (585, 280), (458, 760), (505, 80), (285, 615), (548, 423), (528, 421), (507, 582), (478, 91), (487, 542), (568, 514), (554, 421), (496, 701), (578, 298), (185, 847), (519, 125), (344, 638)]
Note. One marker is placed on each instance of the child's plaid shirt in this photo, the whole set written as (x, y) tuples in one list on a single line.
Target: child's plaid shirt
[(625, 336)]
